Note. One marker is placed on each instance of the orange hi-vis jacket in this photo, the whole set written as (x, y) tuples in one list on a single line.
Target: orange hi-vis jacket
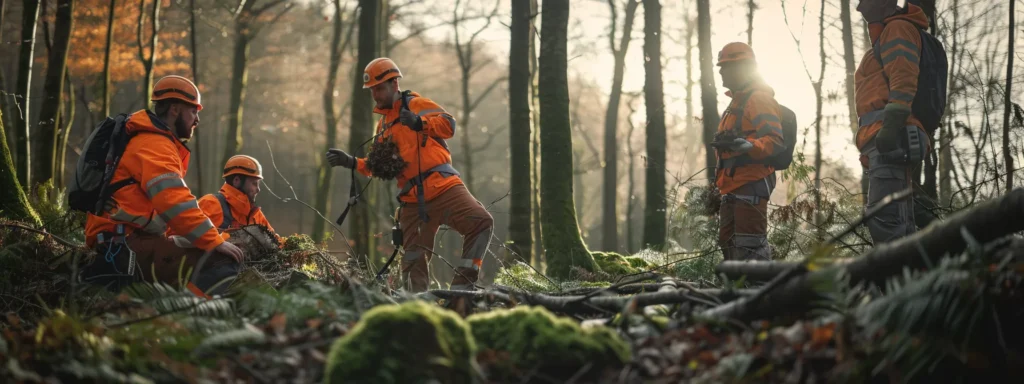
[(899, 39), (242, 211), (159, 199), (421, 150), (761, 126)]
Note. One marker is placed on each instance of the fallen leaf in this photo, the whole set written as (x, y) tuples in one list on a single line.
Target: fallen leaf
[(278, 322)]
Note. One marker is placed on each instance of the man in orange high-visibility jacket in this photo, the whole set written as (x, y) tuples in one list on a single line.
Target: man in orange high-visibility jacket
[(431, 191), (749, 132), (883, 107), (130, 233), (234, 205)]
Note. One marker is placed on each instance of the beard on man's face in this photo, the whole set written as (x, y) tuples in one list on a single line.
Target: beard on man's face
[(183, 131)]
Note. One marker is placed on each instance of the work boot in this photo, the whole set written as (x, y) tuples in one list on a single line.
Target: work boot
[(464, 279), (415, 274)]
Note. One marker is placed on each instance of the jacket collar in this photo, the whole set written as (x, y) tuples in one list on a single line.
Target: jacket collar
[(912, 13), (238, 201)]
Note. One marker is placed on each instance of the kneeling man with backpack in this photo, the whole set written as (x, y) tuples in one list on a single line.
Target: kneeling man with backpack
[(130, 180), (756, 137)]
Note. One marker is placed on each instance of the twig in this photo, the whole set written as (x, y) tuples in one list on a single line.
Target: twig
[(42, 232), (252, 373)]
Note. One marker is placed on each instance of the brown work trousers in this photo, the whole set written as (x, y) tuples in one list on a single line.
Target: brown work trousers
[(458, 209), (743, 221), (158, 258)]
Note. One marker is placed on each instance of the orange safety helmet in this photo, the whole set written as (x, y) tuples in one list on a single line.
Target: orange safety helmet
[(735, 51), (380, 70), (243, 165), (177, 87)]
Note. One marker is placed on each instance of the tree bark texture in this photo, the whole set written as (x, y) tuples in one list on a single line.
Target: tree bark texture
[(23, 92), (239, 80), (362, 122), (538, 244), (708, 94), (14, 205), (751, 7), (562, 242), (1007, 105), (520, 218), (945, 143), (106, 57), (984, 222), (46, 149), (655, 207), (819, 95), (851, 62), (609, 196), (67, 119), (196, 143), (323, 183), (149, 63)]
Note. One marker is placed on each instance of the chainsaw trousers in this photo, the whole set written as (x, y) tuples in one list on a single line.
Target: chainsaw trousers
[(743, 221), (154, 258), (896, 219), (458, 209)]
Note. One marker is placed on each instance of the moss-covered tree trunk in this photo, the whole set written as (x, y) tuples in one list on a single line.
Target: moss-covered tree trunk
[(14, 205), (46, 149), (562, 242), (654, 98), (362, 122), (22, 94), (708, 94), (519, 231)]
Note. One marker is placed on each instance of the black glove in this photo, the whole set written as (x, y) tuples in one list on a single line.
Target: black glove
[(338, 158), (410, 120), (894, 126)]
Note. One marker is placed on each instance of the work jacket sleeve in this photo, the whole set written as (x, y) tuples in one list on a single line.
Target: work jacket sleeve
[(436, 121), (762, 113), (362, 168), (162, 180), (211, 208), (900, 46), (261, 219)]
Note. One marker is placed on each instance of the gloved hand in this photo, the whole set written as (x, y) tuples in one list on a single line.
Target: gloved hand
[(894, 126), (741, 145), (338, 158), (409, 119)]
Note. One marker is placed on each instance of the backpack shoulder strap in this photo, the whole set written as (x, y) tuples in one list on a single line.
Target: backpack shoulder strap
[(737, 126), (226, 209)]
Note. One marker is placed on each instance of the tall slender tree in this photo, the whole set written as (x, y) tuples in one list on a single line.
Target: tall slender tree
[(106, 56), (564, 247), (845, 14), (23, 92), (944, 145), (708, 94), (520, 130), (14, 204), (361, 128), (148, 62), (1007, 105), (46, 149), (466, 49), (751, 8), (193, 36), (655, 205), (609, 196), (538, 244)]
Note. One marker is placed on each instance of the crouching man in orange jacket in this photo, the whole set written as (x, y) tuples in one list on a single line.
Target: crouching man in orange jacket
[(150, 196), (234, 206), (431, 192), (749, 133)]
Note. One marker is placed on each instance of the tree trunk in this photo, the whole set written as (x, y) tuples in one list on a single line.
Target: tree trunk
[(931, 160), (149, 63), (538, 244), (239, 80), (195, 78), (609, 212), (630, 190), (851, 62), (945, 145), (362, 117), (519, 231), (14, 204), (1007, 105), (23, 93), (562, 242), (46, 149), (708, 94), (323, 183), (106, 57), (819, 104), (751, 7), (67, 122), (3, 81), (654, 98)]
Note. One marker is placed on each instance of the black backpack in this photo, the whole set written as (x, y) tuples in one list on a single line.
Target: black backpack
[(930, 100), (783, 157), (90, 187)]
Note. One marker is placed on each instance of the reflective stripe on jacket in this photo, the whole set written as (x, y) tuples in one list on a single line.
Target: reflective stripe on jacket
[(421, 150), (160, 200), (899, 39)]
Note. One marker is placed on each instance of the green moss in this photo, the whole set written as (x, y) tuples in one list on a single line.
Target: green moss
[(615, 264), (533, 337), (408, 343), (299, 242)]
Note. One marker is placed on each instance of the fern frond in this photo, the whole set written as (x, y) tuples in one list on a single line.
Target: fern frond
[(248, 335)]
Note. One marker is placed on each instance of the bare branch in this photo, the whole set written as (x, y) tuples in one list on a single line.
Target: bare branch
[(480, 98)]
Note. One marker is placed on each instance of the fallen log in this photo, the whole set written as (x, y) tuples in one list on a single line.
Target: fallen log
[(754, 271), (985, 222)]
